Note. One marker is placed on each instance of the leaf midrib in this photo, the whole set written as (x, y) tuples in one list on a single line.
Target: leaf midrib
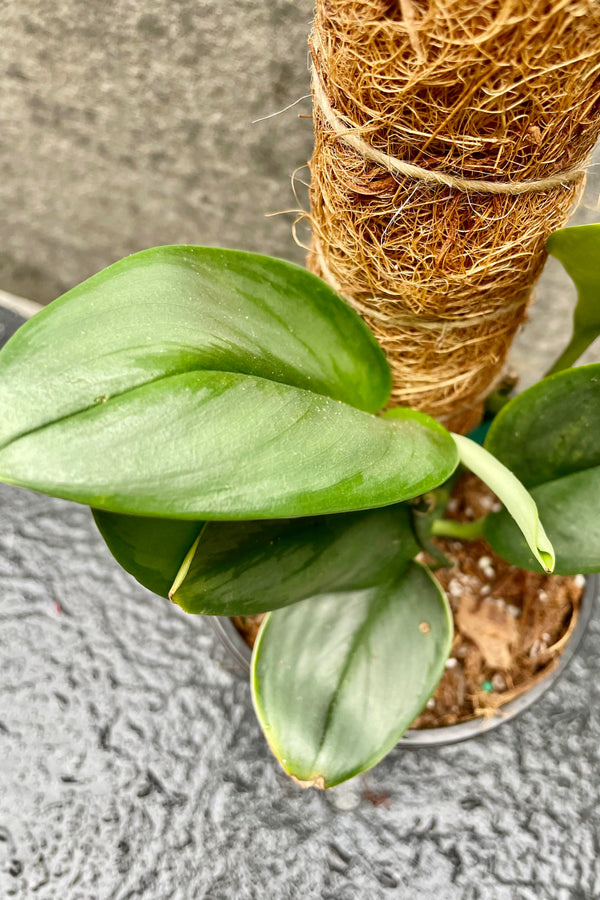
[(164, 377), (354, 647)]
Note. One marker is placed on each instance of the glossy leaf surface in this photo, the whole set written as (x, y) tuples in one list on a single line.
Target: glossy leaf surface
[(517, 500), (552, 429), (225, 446), (152, 550), (578, 249), (252, 567), (337, 679), (179, 309), (570, 508), (176, 383)]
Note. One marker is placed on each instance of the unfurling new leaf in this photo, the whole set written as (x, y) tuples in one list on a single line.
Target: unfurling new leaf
[(518, 502)]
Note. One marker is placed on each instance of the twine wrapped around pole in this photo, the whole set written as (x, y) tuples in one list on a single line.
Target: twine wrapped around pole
[(451, 138)]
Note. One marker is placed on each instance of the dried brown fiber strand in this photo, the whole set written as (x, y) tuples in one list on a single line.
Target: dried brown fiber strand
[(497, 105)]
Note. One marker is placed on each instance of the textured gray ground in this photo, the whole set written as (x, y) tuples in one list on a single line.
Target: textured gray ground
[(131, 765)]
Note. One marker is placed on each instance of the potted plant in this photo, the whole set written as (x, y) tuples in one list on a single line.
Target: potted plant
[(220, 412)]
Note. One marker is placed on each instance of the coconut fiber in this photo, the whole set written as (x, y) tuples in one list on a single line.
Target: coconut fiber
[(451, 138)]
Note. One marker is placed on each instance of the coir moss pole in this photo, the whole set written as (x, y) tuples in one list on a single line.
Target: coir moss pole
[(451, 138)]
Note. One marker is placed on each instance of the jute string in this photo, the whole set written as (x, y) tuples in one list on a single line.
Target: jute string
[(351, 136), (451, 138)]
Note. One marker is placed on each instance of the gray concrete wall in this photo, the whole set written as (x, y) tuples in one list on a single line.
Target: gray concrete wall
[(125, 124)]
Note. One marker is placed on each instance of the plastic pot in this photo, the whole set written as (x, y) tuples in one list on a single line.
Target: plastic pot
[(415, 739)]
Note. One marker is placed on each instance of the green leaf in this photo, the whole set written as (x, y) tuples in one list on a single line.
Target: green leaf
[(552, 429), (513, 495), (189, 382), (337, 679), (214, 445), (549, 436), (152, 550), (578, 249), (570, 509), (251, 567), (179, 309)]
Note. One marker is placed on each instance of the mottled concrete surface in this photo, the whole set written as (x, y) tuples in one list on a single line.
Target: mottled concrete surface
[(131, 764)]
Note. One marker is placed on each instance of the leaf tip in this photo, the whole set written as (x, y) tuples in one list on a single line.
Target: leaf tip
[(548, 561), (184, 569), (318, 782)]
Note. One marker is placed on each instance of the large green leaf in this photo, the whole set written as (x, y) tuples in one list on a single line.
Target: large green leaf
[(152, 550), (552, 429), (570, 507), (220, 445), (338, 678), (550, 437), (578, 249), (243, 568), (518, 502), (189, 382), (177, 309)]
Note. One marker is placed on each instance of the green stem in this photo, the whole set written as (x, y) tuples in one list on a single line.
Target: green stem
[(578, 344), (465, 531)]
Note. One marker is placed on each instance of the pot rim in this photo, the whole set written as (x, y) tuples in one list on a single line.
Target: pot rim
[(20, 306), (422, 738)]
